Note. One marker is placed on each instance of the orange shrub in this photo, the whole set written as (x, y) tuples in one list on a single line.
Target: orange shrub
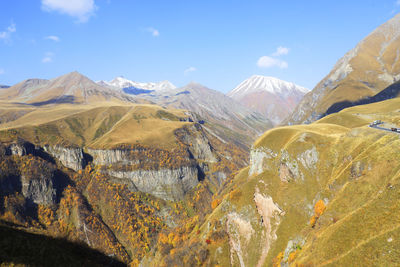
[(215, 203), (319, 208), (313, 220)]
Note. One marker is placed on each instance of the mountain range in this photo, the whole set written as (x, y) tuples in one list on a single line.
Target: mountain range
[(148, 174), (132, 87), (69, 88)]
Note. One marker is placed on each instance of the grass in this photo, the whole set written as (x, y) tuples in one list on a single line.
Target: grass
[(96, 126), (357, 176)]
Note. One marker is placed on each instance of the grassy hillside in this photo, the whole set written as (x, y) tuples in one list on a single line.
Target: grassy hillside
[(324, 194), (96, 126), (363, 72)]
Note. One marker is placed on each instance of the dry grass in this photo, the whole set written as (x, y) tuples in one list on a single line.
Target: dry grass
[(99, 126)]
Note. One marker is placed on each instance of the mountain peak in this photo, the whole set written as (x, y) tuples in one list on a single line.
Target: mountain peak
[(259, 83), (270, 96), (121, 82)]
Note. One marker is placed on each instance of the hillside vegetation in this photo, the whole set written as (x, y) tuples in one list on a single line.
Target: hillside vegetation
[(364, 71), (324, 194)]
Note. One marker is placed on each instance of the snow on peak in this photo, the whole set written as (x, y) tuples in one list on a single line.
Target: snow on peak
[(258, 83), (122, 82)]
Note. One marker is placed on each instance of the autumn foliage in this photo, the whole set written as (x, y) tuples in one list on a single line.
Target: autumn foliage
[(319, 209)]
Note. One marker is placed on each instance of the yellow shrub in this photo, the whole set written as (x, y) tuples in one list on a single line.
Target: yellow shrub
[(276, 262)]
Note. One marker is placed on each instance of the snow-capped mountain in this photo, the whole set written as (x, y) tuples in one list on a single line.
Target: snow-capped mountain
[(73, 88), (227, 117), (270, 96), (121, 82)]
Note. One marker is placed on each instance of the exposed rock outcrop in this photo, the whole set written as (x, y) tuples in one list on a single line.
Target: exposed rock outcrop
[(168, 184), (111, 156), (39, 189), (70, 157), (197, 142), (270, 214), (258, 157)]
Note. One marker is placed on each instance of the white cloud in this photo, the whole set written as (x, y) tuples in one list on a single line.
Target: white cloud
[(48, 57), (398, 2), (273, 60), (2, 71), (53, 38), (153, 31), (80, 9), (5, 35), (269, 62), (281, 50), (188, 70)]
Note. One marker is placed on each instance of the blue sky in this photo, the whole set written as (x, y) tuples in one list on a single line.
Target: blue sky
[(217, 43)]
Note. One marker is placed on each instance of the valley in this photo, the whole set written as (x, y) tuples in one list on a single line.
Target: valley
[(122, 172)]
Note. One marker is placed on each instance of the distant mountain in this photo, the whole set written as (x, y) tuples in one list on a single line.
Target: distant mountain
[(270, 96), (4, 86), (229, 119), (69, 88), (363, 72), (123, 83)]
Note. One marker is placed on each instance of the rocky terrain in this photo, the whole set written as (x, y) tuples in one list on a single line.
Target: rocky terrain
[(70, 88), (364, 71), (312, 195), (106, 175), (228, 119)]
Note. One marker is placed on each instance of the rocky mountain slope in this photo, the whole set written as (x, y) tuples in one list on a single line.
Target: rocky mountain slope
[(110, 174), (227, 119), (364, 71), (70, 88), (313, 195), (273, 98)]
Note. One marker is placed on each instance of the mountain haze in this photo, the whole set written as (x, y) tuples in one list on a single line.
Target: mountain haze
[(273, 98), (230, 120), (121, 82), (69, 88)]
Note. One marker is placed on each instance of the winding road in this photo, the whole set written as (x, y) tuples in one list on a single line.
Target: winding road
[(376, 126)]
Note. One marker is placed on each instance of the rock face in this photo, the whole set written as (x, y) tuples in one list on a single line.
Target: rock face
[(258, 159), (198, 143), (168, 184), (69, 157), (364, 71), (39, 189), (112, 156), (20, 148)]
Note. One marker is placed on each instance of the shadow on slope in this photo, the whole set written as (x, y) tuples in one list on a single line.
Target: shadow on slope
[(20, 247), (390, 92), (65, 99)]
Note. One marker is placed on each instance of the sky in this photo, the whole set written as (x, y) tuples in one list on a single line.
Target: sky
[(216, 43)]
